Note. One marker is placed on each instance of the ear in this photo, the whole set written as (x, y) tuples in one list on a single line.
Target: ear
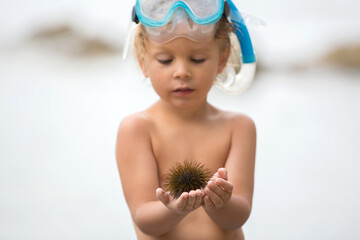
[(142, 65), (223, 59)]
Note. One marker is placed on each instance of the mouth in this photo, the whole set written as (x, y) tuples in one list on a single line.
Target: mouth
[(183, 91)]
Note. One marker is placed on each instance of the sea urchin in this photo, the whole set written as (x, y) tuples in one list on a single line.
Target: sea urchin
[(186, 176)]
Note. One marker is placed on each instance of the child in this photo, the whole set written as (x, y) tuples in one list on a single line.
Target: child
[(183, 57)]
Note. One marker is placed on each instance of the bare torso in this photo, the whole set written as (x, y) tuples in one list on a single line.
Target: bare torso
[(196, 226), (207, 141)]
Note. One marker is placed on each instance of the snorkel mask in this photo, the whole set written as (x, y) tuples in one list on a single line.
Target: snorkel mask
[(165, 20)]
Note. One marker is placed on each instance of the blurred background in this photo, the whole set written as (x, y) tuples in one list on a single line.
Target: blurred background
[(64, 89)]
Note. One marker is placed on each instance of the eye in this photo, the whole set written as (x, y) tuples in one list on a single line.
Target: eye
[(195, 60), (165, 61)]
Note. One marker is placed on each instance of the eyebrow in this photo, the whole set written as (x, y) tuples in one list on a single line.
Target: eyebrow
[(201, 49)]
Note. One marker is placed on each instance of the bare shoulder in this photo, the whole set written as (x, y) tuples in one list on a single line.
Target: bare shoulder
[(243, 131), (238, 121), (243, 121), (136, 123), (133, 135)]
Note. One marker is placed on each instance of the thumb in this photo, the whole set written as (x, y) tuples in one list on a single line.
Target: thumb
[(162, 196)]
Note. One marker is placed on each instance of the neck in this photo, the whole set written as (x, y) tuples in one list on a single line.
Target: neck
[(193, 113)]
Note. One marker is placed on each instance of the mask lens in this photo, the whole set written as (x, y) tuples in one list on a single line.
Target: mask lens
[(204, 8), (156, 9), (159, 10), (169, 19)]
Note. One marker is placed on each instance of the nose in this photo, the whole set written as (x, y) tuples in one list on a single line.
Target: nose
[(182, 71)]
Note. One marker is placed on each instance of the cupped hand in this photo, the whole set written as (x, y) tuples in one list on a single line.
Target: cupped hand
[(218, 190), (187, 202)]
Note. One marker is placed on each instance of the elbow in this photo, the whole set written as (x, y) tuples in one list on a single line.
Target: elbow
[(236, 224), (149, 232), (146, 227), (244, 216), (240, 219)]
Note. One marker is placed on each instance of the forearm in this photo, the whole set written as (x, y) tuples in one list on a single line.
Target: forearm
[(232, 215), (155, 219)]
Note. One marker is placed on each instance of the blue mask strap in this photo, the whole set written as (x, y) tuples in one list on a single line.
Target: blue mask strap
[(242, 34)]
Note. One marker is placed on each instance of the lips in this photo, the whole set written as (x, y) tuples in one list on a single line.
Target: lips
[(183, 89)]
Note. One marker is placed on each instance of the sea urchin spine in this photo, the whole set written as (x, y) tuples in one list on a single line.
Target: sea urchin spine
[(186, 176)]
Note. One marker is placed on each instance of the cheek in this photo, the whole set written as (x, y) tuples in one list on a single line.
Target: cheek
[(153, 72), (208, 77), (158, 87), (211, 70), (158, 78)]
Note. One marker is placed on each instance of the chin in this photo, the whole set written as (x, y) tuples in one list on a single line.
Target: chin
[(183, 104)]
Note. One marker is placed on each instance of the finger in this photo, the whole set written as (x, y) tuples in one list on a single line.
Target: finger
[(162, 196), (182, 200), (216, 199), (225, 185), (208, 203), (222, 173), (198, 198), (219, 191), (214, 177), (191, 200)]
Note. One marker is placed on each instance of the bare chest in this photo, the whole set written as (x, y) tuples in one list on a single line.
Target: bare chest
[(206, 144)]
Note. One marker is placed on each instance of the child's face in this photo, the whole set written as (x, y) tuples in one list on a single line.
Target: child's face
[(183, 71)]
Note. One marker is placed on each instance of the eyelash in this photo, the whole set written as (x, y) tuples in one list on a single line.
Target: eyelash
[(165, 62), (198, 60), (168, 61)]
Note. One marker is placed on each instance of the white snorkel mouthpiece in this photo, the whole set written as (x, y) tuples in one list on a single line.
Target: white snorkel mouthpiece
[(233, 83), (236, 76)]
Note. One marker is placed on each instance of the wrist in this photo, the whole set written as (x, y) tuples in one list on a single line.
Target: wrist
[(178, 212), (213, 208)]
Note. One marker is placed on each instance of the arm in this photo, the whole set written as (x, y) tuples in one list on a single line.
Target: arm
[(139, 177), (228, 199), (158, 217)]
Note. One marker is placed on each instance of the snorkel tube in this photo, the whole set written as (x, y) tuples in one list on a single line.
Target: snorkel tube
[(242, 80)]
